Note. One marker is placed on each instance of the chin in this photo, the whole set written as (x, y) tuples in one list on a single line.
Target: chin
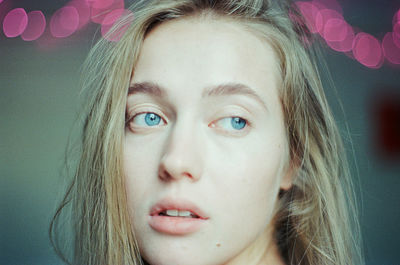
[(181, 259)]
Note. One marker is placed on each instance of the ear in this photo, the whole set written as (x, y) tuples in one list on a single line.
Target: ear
[(289, 175)]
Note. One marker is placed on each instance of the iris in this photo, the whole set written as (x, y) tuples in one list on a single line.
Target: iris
[(152, 119), (238, 123)]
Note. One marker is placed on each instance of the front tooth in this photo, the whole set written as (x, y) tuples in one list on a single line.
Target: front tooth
[(184, 213), (172, 212)]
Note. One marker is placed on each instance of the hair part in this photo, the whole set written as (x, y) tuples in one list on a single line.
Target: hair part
[(316, 220)]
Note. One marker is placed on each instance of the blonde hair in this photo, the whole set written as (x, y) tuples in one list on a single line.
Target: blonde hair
[(316, 221)]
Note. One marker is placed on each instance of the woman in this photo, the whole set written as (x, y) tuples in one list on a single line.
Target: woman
[(208, 140)]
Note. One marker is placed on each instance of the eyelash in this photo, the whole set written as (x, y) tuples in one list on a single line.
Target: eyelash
[(211, 125), (231, 120), (130, 119)]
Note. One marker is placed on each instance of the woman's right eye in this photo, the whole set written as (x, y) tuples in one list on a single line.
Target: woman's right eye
[(147, 119)]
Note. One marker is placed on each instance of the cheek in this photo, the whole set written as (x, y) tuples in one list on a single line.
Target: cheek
[(249, 184), (254, 179), (140, 170), (252, 164)]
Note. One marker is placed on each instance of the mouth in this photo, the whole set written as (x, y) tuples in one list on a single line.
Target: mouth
[(176, 217), (177, 208), (178, 213)]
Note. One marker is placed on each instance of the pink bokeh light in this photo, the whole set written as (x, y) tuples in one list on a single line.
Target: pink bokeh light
[(83, 9), (64, 22), (100, 9), (328, 4), (367, 50), (4, 9), (396, 17), (311, 15), (326, 15), (390, 49), (15, 22), (101, 4), (396, 33), (340, 39), (35, 27), (335, 30), (111, 19)]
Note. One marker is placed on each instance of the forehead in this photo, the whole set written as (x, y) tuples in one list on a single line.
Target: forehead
[(199, 52)]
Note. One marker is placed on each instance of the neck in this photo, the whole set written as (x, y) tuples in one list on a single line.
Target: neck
[(263, 251), (271, 256)]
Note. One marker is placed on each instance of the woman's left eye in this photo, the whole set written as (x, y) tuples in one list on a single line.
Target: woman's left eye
[(147, 119), (232, 123)]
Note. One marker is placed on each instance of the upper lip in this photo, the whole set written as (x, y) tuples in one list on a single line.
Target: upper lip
[(177, 204)]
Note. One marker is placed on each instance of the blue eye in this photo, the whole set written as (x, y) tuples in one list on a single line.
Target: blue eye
[(236, 123), (147, 119)]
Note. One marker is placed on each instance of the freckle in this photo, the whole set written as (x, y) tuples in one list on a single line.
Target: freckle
[(218, 244)]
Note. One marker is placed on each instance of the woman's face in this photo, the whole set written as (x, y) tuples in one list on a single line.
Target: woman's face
[(205, 147)]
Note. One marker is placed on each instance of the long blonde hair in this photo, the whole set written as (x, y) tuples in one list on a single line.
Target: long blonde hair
[(316, 221)]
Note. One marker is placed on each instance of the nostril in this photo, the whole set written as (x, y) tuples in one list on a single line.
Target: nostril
[(163, 174), (180, 161)]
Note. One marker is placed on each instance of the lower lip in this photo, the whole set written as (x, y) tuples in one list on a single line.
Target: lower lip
[(175, 225)]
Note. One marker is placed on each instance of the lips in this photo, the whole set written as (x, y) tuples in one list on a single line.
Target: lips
[(180, 205), (176, 217), (178, 213)]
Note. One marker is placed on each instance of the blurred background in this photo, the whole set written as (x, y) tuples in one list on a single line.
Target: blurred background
[(43, 44)]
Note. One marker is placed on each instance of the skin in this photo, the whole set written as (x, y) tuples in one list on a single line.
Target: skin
[(234, 175)]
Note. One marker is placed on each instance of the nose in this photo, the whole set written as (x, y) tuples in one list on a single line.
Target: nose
[(183, 155)]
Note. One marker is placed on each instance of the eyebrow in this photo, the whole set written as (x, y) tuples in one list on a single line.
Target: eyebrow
[(146, 88), (224, 89)]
